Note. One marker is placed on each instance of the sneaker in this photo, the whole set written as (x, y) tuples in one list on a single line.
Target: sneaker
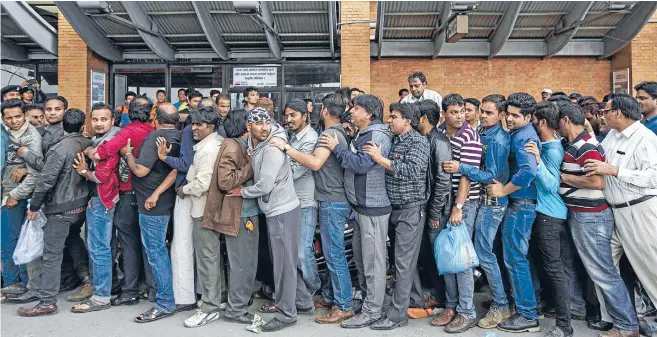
[(86, 291), (460, 324), (494, 317), (518, 323), (557, 331), (334, 316), (201, 318)]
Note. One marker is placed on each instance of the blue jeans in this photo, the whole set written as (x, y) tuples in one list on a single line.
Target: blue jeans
[(487, 224), (153, 237), (459, 288), (516, 232), (592, 232), (332, 218), (12, 222), (307, 260), (99, 238)]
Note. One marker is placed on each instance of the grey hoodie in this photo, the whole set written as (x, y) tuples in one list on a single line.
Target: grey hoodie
[(272, 176)]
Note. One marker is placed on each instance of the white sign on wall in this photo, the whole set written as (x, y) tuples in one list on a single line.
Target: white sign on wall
[(255, 77), (621, 81), (97, 87)]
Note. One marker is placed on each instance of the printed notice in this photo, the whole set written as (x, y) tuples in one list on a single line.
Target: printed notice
[(255, 77)]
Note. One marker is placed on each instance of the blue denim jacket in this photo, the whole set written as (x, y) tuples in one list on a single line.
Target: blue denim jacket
[(496, 142), (651, 123), (522, 163)]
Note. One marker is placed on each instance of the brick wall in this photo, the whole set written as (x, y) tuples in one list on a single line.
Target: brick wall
[(644, 54), (355, 45), (474, 77), (74, 64)]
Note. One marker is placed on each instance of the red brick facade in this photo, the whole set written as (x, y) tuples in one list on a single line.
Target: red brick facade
[(355, 45)]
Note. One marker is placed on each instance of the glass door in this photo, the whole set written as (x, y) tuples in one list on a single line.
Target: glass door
[(237, 100)]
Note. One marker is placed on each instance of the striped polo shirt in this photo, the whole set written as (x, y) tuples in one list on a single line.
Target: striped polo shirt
[(582, 148), (466, 149)]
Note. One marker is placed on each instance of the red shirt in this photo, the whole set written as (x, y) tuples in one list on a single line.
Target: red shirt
[(136, 132)]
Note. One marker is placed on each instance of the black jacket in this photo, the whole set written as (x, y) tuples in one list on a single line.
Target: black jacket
[(60, 187), (440, 182), (51, 135)]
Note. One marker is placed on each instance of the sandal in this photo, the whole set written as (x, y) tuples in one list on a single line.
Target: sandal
[(267, 308), (152, 315), (91, 305)]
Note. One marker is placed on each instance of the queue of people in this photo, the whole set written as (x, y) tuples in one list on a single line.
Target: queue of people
[(557, 195)]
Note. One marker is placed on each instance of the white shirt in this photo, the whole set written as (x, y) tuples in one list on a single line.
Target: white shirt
[(634, 152), (427, 94)]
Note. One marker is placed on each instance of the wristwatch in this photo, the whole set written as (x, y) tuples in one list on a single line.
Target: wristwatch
[(286, 147), (459, 206), (83, 172)]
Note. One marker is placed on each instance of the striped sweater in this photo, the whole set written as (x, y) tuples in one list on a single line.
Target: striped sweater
[(582, 148), (466, 149)]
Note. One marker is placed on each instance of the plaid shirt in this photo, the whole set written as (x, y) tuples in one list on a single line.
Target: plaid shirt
[(409, 157)]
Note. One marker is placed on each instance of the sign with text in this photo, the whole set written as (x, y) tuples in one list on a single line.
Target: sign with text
[(255, 77), (621, 81)]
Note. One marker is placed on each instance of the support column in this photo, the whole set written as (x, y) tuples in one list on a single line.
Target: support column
[(355, 45), (74, 65)]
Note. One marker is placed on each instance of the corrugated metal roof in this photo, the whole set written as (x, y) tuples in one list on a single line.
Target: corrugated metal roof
[(177, 24), (529, 34), (235, 23), (589, 33), (111, 27), (538, 21), (9, 27), (300, 5), (410, 21), (546, 6), (413, 6), (167, 6), (479, 33), (301, 23), (608, 20), (407, 34), (483, 21)]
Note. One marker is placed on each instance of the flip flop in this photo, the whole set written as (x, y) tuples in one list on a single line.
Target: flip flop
[(91, 306), (152, 315)]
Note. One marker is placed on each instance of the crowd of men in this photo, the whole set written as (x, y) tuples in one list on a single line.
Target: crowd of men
[(558, 196)]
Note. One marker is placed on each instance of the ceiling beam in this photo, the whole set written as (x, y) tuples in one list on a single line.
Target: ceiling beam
[(158, 44), (628, 27), (380, 24), (577, 13), (481, 48), (272, 36), (10, 51), (504, 28), (32, 24), (439, 39), (332, 21), (212, 32), (89, 31)]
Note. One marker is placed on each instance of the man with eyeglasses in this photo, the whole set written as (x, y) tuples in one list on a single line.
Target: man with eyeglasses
[(630, 176), (417, 83)]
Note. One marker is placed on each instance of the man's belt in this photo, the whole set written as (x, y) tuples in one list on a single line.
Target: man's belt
[(409, 205), (633, 202)]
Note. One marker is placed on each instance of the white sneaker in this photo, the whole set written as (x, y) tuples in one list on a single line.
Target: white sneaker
[(201, 318)]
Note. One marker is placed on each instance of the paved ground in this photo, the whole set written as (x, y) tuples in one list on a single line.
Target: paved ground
[(118, 322)]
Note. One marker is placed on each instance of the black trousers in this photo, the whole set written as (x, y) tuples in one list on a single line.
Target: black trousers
[(126, 222), (550, 235)]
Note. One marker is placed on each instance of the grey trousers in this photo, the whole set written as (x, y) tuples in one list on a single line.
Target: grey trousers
[(291, 291), (369, 244), (409, 225), (242, 251), (207, 249), (34, 274)]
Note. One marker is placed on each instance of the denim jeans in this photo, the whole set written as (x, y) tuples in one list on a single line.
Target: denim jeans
[(12, 222), (332, 218), (459, 288), (307, 260), (516, 231), (487, 224), (153, 238), (99, 239), (592, 233)]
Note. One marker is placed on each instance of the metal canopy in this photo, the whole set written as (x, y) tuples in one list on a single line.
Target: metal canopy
[(209, 30), (26, 30), (510, 29)]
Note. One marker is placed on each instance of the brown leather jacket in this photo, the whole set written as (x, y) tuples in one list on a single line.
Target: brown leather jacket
[(231, 169)]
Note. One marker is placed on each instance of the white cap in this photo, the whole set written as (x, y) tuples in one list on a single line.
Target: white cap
[(547, 90)]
